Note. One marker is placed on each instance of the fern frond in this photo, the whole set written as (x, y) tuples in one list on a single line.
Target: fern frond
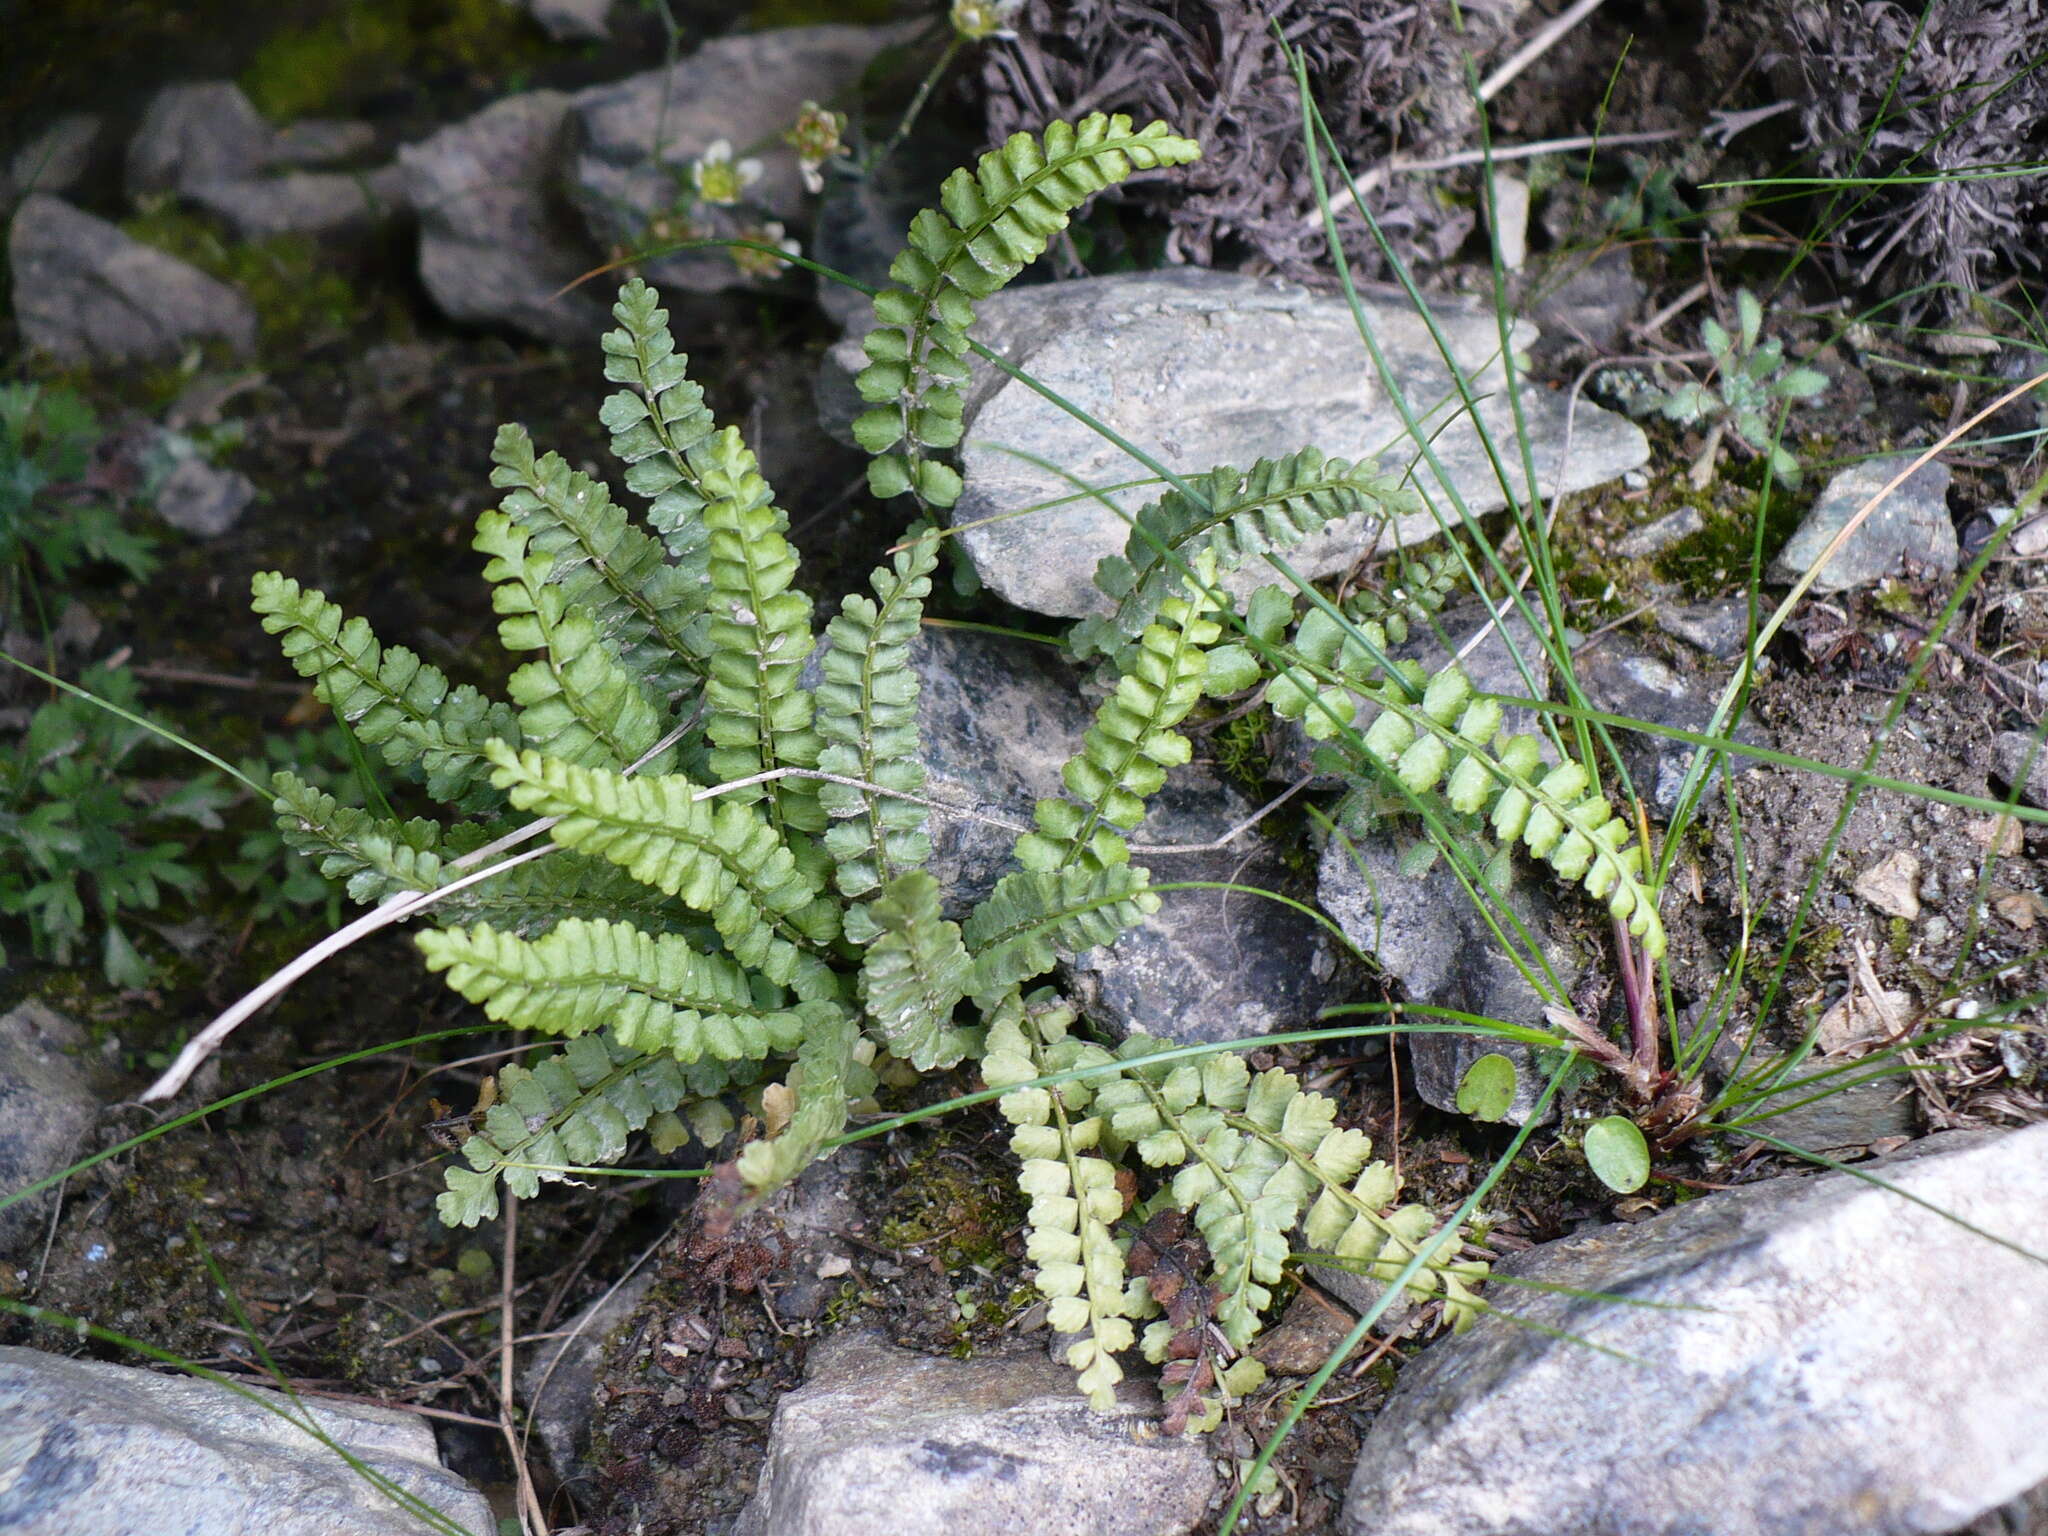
[(653, 993), (368, 856), (914, 973), (867, 716), (655, 422), (604, 566), (577, 702), (830, 1076), (1074, 1196), (997, 219), (390, 698), (1274, 505), (1126, 752), (1330, 662), (531, 898), (719, 857), (760, 633), (1413, 587), (1558, 813), (573, 1109), (1016, 932)]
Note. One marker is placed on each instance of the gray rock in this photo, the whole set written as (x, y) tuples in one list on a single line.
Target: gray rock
[(1768, 1371), (313, 141), (2016, 753), (55, 158), (114, 1451), (303, 202), (1622, 680), (1205, 368), (1721, 629), (862, 223), (1910, 530), (494, 246), (47, 1105), (881, 1442), (1655, 538), (998, 720), (203, 499), (86, 293), (1591, 301), (1846, 1120), (634, 140), (559, 1384), (573, 21), (196, 133), (1427, 934)]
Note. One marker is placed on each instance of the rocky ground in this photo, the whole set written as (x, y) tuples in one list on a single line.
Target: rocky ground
[(300, 316)]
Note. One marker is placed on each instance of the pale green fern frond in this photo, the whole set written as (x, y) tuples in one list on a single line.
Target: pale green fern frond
[(604, 566), (1126, 752), (577, 703), (572, 1109), (830, 1076), (913, 974), (1235, 515), (1075, 1201), (997, 220), (1017, 932), (867, 717), (655, 422), (760, 633), (654, 993), (390, 698), (718, 856)]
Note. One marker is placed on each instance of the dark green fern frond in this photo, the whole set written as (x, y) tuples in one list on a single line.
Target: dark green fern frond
[(1125, 755), (1032, 914), (1275, 505), (867, 716), (368, 856), (1413, 588), (572, 1109), (603, 564), (717, 856), (830, 1076), (577, 702), (914, 973), (655, 422), (997, 220), (390, 698), (654, 993), (760, 634), (531, 898)]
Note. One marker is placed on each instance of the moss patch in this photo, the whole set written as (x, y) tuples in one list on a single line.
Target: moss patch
[(361, 50)]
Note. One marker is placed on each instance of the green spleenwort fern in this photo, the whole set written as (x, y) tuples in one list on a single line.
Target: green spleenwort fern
[(692, 938), (997, 220)]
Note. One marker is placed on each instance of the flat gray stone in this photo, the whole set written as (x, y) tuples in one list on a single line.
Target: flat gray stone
[(316, 141), (2023, 761), (495, 249), (882, 1442), (634, 140), (1766, 1371), (997, 721), (1909, 532), (195, 133), (1720, 628), (1426, 933), (573, 21), (303, 202), (203, 499), (86, 293), (1654, 538), (1625, 681), (55, 158), (559, 1384), (114, 1451), (1590, 300), (1205, 368), (47, 1105)]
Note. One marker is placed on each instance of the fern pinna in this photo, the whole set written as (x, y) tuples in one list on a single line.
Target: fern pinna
[(735, 906)]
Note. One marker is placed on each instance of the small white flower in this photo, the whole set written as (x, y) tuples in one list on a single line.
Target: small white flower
[(718, 178), (978, 20), (760, 263)]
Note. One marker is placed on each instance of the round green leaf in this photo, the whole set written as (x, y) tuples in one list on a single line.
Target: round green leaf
[(1229, 669), (1488, 1088), (1617, 1153)]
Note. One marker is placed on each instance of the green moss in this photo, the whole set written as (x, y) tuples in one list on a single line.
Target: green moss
[(1239, 748), (297, 295), (363, 49), (961, 1208), (1707, 563)]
